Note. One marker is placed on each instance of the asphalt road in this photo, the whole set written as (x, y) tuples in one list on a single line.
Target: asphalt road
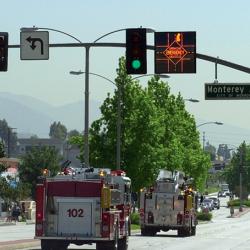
[(223, 233)]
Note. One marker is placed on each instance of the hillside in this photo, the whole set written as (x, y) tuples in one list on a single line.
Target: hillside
[(32, 116)]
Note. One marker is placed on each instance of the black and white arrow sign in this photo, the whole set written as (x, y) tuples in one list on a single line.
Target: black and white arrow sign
[(33, 41), (34, 45)]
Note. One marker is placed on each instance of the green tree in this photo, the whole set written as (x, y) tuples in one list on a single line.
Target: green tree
[(9, 192), (58, 131), (157, 132), (73, 132), (211, 150), (2, 152), (224, 151), (240, 160), (34, 162), (8, 136)]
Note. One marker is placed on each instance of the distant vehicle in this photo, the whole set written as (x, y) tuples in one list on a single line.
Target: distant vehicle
[(208, 203), (216, 202), (221, 194), (224, 187)]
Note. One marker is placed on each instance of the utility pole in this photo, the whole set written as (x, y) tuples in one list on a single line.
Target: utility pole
[(203, 141), (9, 141), (240, 170)]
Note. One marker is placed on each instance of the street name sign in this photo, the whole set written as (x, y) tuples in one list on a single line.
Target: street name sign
[(227, 91), (34, 45)]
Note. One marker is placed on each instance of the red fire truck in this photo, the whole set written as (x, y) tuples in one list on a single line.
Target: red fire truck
[(84, 207), (169, 205)]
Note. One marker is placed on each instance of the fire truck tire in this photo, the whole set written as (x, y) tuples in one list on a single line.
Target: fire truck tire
[(129, 227), (180, 232), (146, 231), (184, 232), (53, 245), (123, 243), (110, 245), (193, 231)]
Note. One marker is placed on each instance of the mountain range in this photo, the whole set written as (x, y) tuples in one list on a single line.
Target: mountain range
[(31, 116)]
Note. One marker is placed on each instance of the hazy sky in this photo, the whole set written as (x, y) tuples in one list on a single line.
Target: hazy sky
[(222, 29)]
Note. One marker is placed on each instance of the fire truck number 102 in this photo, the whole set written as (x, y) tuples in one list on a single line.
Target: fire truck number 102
[(75, 212)]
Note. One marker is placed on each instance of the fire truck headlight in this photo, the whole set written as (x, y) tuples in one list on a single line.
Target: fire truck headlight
[(45, 172), (102, 173)]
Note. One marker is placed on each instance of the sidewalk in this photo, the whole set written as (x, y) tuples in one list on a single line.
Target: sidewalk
[(238, 214), (17, 244), (4, 222)]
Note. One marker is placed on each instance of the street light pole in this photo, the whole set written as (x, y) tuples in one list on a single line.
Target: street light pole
[(203, 141), (86, 125), (119, 95), (86, 131), (217, 123), (240, 170), (8, 151), (87, 47)]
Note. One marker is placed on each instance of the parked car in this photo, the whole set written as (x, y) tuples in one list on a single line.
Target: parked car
[(216, 201), (208, 203)]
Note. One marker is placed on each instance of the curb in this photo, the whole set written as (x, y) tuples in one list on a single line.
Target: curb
[(239, 214), (17, 244)]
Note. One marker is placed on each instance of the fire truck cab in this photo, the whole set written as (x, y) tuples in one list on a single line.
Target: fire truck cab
[(169, 204), (87, 206)]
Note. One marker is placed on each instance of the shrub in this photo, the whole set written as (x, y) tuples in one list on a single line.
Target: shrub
[(135, 218), (204, 216), (236, 203)]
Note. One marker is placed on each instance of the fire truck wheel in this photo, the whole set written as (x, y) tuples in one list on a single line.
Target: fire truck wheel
[(47, 245), (111, 245), (123, 243), (53, 245), (148, 231), (129, 227), (184, 232), (193, 231)]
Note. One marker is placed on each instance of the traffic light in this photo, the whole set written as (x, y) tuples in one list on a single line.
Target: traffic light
[(4, 51), (136, 51)]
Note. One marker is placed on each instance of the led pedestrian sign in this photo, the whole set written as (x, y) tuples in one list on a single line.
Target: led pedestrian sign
[(175, 52)]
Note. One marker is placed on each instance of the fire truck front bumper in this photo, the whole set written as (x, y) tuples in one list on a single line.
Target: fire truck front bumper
[(73, 238)]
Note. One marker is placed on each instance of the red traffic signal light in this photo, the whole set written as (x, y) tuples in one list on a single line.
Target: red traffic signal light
[(136, 51), (4, 51)]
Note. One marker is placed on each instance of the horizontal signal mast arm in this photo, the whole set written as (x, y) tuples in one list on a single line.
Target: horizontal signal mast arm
[(150, 47), (223, 62)]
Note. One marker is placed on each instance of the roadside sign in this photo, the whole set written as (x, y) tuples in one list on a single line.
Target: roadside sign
[(175, 52), (227, 91), (34, 45)]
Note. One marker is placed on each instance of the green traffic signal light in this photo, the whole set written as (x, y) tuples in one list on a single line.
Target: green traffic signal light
[(136, 51), (136, 64)]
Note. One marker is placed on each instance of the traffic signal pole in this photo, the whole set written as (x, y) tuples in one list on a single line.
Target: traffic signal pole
[(87, 46), (149, 47), (86, 126)]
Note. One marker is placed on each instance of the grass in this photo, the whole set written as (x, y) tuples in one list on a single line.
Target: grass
[(135, 227)]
